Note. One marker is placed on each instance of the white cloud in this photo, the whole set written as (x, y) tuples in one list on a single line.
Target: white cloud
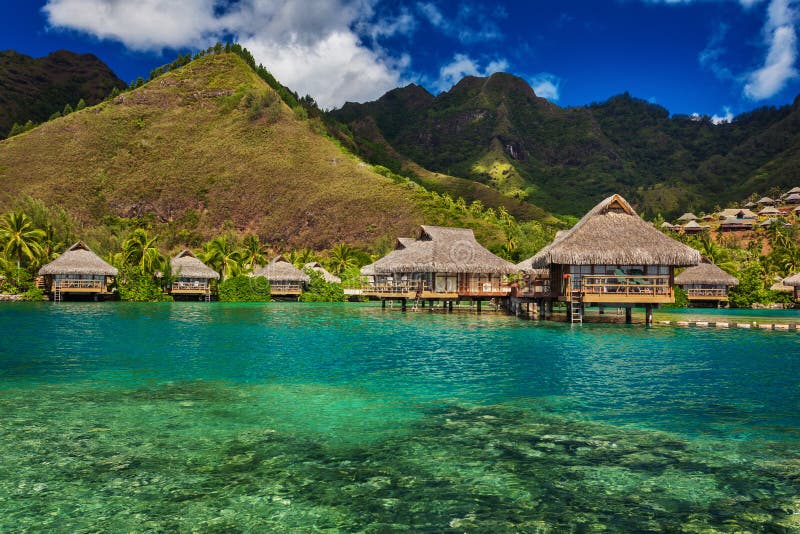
[(715, 119), (314, 49), (779, 65), (728, 117), (546, 86), (463, 65)]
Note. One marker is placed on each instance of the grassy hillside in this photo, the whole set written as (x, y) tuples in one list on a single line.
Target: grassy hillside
[(212, 147), (34, 88)]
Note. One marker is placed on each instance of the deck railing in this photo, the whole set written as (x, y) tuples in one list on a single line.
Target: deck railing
[(77, 284), (470, 288), (190, 286), (707, 292), (625, 285)]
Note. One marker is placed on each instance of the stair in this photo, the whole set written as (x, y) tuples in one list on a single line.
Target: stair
[(57, 294), (575, 302)]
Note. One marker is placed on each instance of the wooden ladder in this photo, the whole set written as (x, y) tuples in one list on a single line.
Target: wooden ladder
[(575, 302), (57, 294)]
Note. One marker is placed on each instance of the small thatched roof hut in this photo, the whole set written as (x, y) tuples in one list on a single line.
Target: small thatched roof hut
[(281, 269), (770, 210), (793, 198), (688, 217), (792, 281), (438, 249), (750, 205), (706, 274), (186, 265), (612, 233), (667, 225), (765, 201), (326, 275), (792, 191), (692, 227), (78, 260)]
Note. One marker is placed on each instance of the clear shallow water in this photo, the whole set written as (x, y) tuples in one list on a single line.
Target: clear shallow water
[(349, 418)]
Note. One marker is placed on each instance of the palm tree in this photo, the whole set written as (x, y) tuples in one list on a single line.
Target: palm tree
[(140, 250), (19, 239), (222, 256), (343, 257), (253, 252)]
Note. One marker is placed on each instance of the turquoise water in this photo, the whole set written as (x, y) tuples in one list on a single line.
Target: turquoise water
[(329, 418)]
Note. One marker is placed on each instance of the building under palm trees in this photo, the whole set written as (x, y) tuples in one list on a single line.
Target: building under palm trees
[(191, 277), (285, 280), (78, 271)]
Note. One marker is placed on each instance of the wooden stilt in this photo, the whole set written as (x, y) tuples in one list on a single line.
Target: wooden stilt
[(628, 315), (403, 304), (383, 303), (479, 306), (449, 305), (648, 314)]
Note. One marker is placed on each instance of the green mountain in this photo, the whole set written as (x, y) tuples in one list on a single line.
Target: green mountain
[(35, 88), (495, 131), (210, 148)]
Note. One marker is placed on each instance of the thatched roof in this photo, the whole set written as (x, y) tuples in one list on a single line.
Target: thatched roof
[(769, 210), (688, 217), (738, 213), (793, 191), (781, 286), (78, 259), (792, 281), (329, 277), (765, 200), (281, 269), (733, 221), (438, 249), (797, 208), (793, 198), (706, 273), (750, 205), (667, 225), (693, 225), (186, 265), (613, 234)]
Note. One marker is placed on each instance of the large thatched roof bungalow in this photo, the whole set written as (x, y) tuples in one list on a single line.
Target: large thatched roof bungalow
[(326, 275), (284, 278), (191, 276), (693, 228), (706, 284), (440, 263), (78, 271), (688, 216), (612, 256)]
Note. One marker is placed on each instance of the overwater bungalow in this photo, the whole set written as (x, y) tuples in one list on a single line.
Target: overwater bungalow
[(612, 257), (326, 275), (78, 271), (439, 264), (732, 224), (192, 277), (706, 284), (794, 283), (686, 217), (284, 278)]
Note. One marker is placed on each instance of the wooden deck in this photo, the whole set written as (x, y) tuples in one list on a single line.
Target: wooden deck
[(619, 289), (79, 286), (412, 291), (190, 288), (707, 294)]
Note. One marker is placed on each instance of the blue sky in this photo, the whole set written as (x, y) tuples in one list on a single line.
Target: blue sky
[(713, 57)]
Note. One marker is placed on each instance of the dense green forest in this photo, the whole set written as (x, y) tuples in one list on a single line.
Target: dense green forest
[(496, 131)]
